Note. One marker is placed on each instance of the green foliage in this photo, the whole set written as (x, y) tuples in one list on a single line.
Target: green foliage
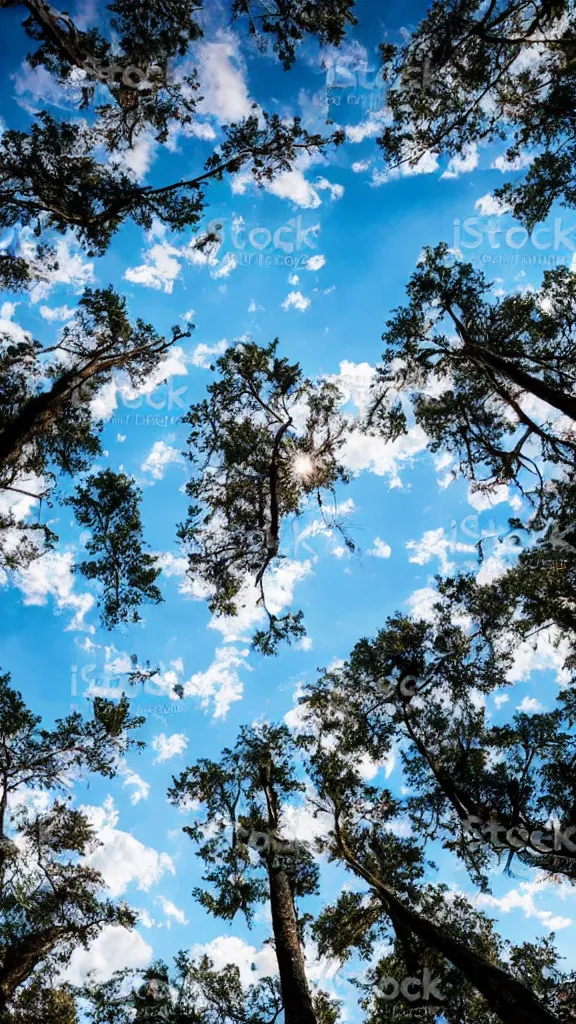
[(263, 443), (244, 792), (467, 362), (108, 505), (193, 992), (461, 79), (47, 428), (288, 21), (51, 177), (50, 902)]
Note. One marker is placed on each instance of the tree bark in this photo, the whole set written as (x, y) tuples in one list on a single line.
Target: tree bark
[(565, 403), (296, 997), (37, 413), (509, 998)]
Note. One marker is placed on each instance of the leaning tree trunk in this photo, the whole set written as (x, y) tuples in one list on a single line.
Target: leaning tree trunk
[(508, 997), (481, 354), (296, 997)]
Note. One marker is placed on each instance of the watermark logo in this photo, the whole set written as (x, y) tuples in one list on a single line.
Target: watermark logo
[(554, 242), (284, 850), (286, 245), (411, 989), (355, 85), (517, 838), (488, 538), (112, 683)]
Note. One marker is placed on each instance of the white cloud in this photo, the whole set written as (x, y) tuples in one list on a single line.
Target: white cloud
[(58, 313), (384, 458), (361, 165), (297, 300), (421, 603), (380, 549), (136, 160), (172, 911), (280, 585), (114, 949), (336, 191), (316, 262), (51, 575), (169, 746), (222, 80), (462, 163), (141, 789), (71, 269), (8, 328), (220, 683), (545, 652), (530, 704), (292, 185), (522, 898), (490, 206), (202, 353), (368, 129), (252, 964), (226, 266), (501, 163), (123, 860), (160, 269), (427, 164), (482, 500), (160, 456), (435, 544)]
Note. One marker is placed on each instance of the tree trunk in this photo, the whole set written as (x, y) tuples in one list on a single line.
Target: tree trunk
[(509, 998), (481, 354), (552, 396), (35, 416), (298, 1008)]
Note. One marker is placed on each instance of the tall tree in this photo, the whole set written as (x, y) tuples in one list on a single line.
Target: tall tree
[(264, 442), (47, 430), (51, 176), (475, 72), (488, 792), (193, 991), (50, 902), (244, 795), (473, 367), (421, 917), (134, 51)]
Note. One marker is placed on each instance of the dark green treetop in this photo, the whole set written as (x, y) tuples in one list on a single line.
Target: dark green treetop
[(50, 901), (47, 431), (474, 72), (468, 364), (264, 442)]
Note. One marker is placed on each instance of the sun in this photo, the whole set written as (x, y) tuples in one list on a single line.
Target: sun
[(303, 466)]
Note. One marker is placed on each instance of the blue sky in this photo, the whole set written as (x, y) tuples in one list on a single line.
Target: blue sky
[(319, 260)]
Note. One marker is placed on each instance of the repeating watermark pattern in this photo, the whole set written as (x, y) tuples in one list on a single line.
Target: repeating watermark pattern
[(490, 538), (285, 850), (406, 687), (285, 245), (114, 684), (112, 73), (146, 421), (517, 838), (554, 243), (355, 85), (411, 989)]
